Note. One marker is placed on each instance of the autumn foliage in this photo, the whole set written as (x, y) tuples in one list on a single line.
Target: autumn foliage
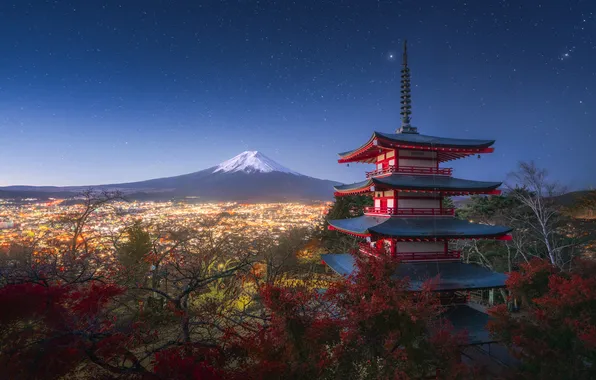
[(47, 329), (555, 335), (368, 327)]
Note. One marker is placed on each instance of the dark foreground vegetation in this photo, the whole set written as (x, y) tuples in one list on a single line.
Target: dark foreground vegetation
[(180, 302)]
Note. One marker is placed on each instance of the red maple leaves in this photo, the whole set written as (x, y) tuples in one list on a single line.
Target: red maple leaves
[(50, 327), (555, 336), (369, 324)]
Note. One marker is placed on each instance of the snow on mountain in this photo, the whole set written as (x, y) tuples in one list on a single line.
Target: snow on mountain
[(251, 162)]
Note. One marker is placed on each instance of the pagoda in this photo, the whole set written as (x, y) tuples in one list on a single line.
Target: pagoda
[(409, 218)]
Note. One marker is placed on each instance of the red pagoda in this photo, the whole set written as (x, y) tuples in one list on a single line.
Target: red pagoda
[(409, 219)]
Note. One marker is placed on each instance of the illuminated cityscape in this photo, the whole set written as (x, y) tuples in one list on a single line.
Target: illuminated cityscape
[(27, 218)]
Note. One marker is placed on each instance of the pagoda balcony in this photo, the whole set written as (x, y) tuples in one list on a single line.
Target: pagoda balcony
[(409, 211), (366, 249), (415, 170)]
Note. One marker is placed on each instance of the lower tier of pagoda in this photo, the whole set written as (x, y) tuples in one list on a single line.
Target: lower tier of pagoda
[(424, 183), (443, 276), (454, 281), (418, 229)]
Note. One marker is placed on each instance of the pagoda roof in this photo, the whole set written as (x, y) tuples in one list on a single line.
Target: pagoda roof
[(418, 139), (418, 227), (447, 148), (418, 182), (464, 318), (445, 276)]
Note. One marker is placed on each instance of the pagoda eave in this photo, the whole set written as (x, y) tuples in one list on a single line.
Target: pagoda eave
[(449, 152), (366, 234), (362, 235), (368, 190), (443, 276), (418, 228), (368, 152), (428, 183)]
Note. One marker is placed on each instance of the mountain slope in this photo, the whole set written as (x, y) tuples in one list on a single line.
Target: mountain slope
[(250, 176)]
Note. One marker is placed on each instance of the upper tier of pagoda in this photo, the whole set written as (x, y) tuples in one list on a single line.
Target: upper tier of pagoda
[(447, 148)]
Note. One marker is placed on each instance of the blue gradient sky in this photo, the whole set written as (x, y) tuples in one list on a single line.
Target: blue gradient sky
[(112, 91)]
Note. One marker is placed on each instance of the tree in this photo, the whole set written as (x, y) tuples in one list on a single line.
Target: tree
[(343, 207), (448, 202), (138, 244), (556, 337), (368, 327), (219, 318), (71, 257), (541, 227), (279, 256), (503, 210), (544, 218), (87, 317), (47, 331)]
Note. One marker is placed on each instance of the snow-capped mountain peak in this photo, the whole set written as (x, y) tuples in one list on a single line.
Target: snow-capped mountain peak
[(251, 162)]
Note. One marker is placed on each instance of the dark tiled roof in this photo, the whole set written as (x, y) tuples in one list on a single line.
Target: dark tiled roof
[(473, 322), (418, 227), (341, 263), (424, 140), (414, 138), (453, 275), (422, 182)]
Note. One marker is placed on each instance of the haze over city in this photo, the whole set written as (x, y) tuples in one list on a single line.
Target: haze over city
[(108, 92)]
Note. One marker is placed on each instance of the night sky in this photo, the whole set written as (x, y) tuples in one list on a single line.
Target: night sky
[(111, 91)]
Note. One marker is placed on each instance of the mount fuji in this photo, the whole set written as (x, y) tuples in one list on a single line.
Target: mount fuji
[(252, 162), (249, 176)]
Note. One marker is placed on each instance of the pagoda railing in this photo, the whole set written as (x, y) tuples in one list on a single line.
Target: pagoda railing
[(419, 211), (409, 170), (412, 256)]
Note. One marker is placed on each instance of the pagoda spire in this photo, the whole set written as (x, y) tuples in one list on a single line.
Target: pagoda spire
[(406, 96)]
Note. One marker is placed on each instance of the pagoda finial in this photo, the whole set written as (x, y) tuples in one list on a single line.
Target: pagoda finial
[(406, 96)]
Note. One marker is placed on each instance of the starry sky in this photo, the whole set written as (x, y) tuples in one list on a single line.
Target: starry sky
[(96, 92)]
